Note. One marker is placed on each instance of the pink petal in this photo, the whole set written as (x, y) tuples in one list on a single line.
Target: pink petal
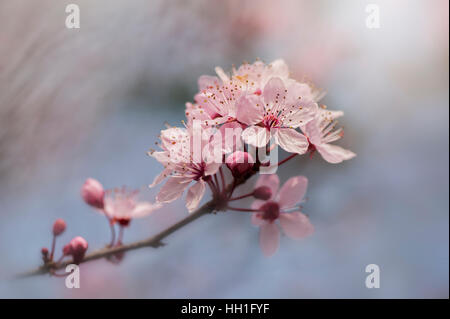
[(274, 90), (257, 203), (211, 168), (292, 191), (194, 195), (144, 208), (257, 220), (333, 153), (222, 75), (296, 225), (256, 136), (161, 157), (270, 180), (206, 81), (158, 179), (312, 131), (279, 68), (269, 238), (172, 189), (231, 137), (291, 141), (250, 109)]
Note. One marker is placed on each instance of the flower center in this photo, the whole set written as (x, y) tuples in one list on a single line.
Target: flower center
[(270, 121), (270, 210)]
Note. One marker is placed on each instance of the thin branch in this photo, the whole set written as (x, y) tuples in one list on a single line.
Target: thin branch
[(154, 241)]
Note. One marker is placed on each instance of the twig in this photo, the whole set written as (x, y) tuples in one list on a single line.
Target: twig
[(154, 241)]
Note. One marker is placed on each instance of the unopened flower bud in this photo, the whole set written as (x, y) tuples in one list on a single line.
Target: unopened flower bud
[(67, 250), (262, 192), (44, 251), (77, 248), (59, 226), (93, 193), (239, 163)]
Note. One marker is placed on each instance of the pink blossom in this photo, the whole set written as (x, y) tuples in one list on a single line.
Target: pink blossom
[(294, 224), (216, 102), (321, 131), (183, 164), (122, 205), (277, 113), (93, 193)]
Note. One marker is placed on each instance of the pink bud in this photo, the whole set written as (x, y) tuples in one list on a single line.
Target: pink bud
[(59, 226), (77, 248), (239, 163), (263, 192), (44, 251), (93, 193), (67, 250)]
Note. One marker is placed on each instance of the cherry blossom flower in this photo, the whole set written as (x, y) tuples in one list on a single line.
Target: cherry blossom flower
[(122, 205), (321, 131), (294, 224), (277, 113), (183, 164), (216, 102)]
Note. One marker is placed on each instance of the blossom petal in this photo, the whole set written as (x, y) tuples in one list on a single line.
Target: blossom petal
[(269, 238), (257, 203), (312, 131), (273, 90), (207, 81), (333, 153), (144, 208), (194, 195), (270, 180), (279, 68), (291, 141), (231, 137), (296, 225), (292, 192), (158, 179), (172, 189), (257, 220), (222, 75), (250, 109), (256, 136)]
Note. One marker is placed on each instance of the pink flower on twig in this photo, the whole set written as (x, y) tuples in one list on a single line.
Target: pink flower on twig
[(321, 131), (294, 224), (122, 205)]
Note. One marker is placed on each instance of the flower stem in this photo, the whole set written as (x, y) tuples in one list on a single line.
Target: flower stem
[(53, 247), (243, 209), (287, 159), (241, 197)]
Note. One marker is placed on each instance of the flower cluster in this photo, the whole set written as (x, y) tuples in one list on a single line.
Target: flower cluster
[(256, 106), (234, 123)]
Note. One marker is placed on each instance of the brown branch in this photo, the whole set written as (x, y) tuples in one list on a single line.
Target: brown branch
[(154, 241)]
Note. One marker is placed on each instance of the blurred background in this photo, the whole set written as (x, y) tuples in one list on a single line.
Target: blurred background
[(76, 103)]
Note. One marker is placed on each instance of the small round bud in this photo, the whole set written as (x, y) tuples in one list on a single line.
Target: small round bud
[(77, 248), (239, 163), (67, 250), (262, 192), (93, 193), (44, 251), (59, 226)]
